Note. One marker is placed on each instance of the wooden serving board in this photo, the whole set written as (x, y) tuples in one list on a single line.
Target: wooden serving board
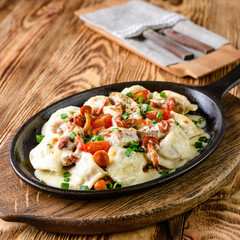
[(21, 203), (224, 56)]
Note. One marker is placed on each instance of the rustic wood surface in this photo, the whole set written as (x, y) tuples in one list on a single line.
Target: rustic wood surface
[(46, 54)]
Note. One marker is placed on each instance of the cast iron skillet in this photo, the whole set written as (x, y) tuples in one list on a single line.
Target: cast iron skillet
[(207, 97)]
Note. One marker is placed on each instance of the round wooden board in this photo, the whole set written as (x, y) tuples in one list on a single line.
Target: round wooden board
[(20, 202)]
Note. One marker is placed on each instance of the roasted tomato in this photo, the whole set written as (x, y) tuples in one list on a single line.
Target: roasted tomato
[(143, 94), (93, 147), (158, 115), (102, 121)]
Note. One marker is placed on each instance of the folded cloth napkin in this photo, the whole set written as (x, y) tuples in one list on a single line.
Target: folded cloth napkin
[(128, 21)]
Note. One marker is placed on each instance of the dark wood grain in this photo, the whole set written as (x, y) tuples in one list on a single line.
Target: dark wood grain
[(46, 54)]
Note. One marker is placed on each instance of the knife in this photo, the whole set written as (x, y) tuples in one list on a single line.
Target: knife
[(168, 44), (186, 40)]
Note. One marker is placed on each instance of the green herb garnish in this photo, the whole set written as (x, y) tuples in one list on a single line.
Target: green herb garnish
[(72, 136), (39, 138), (204, 139), (135, 146), (67, 174), (159, 115), (86, 140), (63, 115), (129, 152), (66, 179), (118, 185), (49, 145), (114, 129), (43, 182), (155, 121), (130, 94), (163, 173), (109, 185), (198, 145), (139, 99), (178, 124), (163, 95), (65, 185), (147, 102), (97, 138), (149, 166), (84, 187), (125, 116)]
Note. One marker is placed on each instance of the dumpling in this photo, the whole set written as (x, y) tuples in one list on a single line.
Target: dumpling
[(189, 128), (133, 89), (175, 149), (186, 106), (86, 172), (129, 170)]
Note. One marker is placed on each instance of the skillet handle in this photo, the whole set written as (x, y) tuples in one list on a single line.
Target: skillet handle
[(220, 87)]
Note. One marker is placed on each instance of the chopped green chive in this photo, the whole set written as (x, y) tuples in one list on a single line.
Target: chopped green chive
[(163, 173), (67, 174), (171, 171), (198, 144), (204, 139), (72, 136), (178, 124), (129, 152), (97, 138), (43, 182), (66, 179), (63, 115), (159, 115), (109, 185), (110, 93), (130, 94), (49, 145), (135, 146), (118, 185), (39, 138), (163, 95), (200, 150), (148, 102), (114, 129), (149, 166), (155, 121), (86, 140), (139, 99), (84, 187), (65, 185), (125, 116)]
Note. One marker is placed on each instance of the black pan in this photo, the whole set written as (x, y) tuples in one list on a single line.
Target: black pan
[(207, 97)]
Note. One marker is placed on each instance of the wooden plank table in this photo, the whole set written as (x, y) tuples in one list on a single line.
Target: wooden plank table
[(47, 54)]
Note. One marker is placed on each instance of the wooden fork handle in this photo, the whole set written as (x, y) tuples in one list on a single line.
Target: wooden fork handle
[(168, 44), (188, 41)]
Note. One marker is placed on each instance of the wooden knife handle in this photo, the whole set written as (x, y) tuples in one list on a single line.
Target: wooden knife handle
[(188, 41), (168, 44)]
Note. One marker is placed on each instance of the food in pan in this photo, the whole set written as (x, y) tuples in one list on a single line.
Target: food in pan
[(119, 140)]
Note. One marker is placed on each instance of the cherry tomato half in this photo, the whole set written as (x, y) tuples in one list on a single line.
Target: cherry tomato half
[(153, 115), (102, 121), (93, 147)]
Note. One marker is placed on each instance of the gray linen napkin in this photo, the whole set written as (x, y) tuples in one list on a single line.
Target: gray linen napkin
[(128, 21)]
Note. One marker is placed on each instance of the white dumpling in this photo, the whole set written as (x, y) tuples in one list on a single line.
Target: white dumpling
[(180, 99), (47, 156), (189, 128), (85, 172), (175, 149), (133, 89), (96, 102), (55, 120), (129, 170)]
